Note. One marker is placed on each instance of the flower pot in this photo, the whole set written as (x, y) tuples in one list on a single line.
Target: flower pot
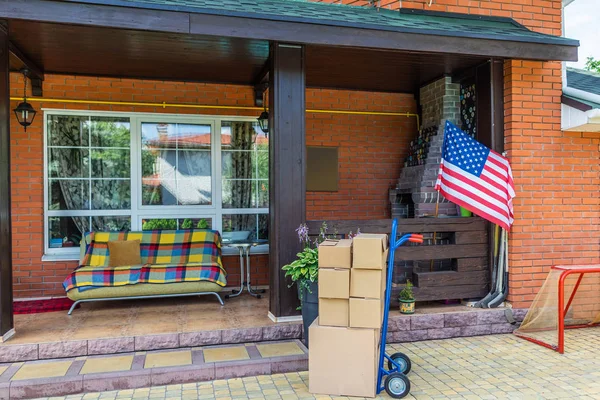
[(309, 299), (407, 306)]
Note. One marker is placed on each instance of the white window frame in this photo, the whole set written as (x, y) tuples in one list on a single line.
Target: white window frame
[(138, 212)]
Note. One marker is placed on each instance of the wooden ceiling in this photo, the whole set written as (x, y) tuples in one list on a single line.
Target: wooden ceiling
[(81, 50)]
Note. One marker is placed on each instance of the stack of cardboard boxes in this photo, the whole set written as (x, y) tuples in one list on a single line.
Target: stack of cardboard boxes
[(344, 340)]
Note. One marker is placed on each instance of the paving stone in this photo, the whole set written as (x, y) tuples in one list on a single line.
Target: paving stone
[(62, 349), (202, 338), (156, 342), (46, 387), (409, 336), (240, 369), (443, 333), (426, 321), (16, 353), (111, 346), (493, 316), (398, 323), (452, 320), (241, 335), (519, 313), (502, 328), (282, 332), (117, 381), (476, 330), (192, 373)]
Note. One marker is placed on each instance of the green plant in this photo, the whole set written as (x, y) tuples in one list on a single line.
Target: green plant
[(592, 64), (155, 224), (406, 293)]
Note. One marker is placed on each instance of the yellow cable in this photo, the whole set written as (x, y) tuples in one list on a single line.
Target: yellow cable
[(201, 106)]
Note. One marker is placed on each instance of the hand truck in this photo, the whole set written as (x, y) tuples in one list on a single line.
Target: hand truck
[(396, 382)]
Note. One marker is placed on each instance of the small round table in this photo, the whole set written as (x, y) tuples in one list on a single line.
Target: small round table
[(244, 247)]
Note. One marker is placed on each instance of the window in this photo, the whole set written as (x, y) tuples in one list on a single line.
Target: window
[(109, 171)]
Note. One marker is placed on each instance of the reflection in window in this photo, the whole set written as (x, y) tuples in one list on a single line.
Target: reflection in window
[(176, 164), (245, 226), (151, 224), (88, 169), (245, 164)]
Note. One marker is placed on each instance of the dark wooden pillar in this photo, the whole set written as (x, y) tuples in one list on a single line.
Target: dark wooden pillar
[(6, 298), (489, 82), (287, 155)]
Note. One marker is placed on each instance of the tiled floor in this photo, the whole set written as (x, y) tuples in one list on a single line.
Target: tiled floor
[(485, 367), (140, 361), (141, 317)]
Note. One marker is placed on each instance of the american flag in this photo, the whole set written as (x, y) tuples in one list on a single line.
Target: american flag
[(476, 178)]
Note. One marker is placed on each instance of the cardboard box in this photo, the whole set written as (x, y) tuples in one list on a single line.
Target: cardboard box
[(334, 283), (334, 312), (370, 251), (367, 283), (366, 313), (335, 253), (342, 361)]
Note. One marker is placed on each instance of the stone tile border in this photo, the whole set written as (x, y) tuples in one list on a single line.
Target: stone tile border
[(72, 383), (402, 328)]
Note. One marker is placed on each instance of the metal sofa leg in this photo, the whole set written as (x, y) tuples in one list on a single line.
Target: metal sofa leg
[(73, 307), (219, 297)]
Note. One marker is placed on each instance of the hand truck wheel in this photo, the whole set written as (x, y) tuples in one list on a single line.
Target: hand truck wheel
[(402, 360), (397, 385)]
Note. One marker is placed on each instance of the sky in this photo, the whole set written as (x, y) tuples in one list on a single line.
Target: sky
[(582, 23)]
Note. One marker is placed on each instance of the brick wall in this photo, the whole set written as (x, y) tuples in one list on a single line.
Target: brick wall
[(557, 174), (370, 150)]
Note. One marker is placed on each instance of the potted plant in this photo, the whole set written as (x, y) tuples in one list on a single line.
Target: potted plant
[(407, 299), (304, 272)]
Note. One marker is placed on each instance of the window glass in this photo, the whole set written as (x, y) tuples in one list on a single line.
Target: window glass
[(176, 164), (88, 169), (245, 226), (245, 165), (150, 224)]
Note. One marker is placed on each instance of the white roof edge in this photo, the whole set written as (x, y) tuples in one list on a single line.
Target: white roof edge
[(581, 94)]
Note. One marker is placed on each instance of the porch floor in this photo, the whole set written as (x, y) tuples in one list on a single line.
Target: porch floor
[(113, 319)]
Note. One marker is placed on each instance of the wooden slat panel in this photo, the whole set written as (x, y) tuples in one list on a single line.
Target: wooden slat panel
[(450, 278), (471, 237), (440, 252), (472, 264), (444, 293), (409, 225), (6, 293), (287, 170)]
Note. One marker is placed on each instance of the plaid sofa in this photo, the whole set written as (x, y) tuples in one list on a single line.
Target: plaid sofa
[(168, 257)]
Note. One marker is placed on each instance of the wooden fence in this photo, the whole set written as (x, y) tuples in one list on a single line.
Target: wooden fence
[(469, 251)]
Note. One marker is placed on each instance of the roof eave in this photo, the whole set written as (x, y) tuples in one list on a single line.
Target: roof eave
[(313, 32)]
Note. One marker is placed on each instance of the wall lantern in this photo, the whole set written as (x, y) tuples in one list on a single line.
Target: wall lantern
[(263, 119), (25, 112)]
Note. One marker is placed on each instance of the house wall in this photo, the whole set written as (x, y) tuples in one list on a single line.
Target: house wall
[(556, 174), (370, 150)]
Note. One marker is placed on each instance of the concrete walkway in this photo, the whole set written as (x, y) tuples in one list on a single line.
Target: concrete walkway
[(485, 367)]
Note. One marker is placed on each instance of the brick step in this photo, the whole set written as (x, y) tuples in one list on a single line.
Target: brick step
[(88, 347), (60, 377)]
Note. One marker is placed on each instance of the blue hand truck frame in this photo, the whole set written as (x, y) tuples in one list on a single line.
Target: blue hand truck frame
[(396, 383)]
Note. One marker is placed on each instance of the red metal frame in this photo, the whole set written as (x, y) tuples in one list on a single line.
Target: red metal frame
[(562, 310)]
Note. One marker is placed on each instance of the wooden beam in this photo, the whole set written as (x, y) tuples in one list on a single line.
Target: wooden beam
[(6, 294), (441, 252), (309, 31), (287, 170), (36, 74)]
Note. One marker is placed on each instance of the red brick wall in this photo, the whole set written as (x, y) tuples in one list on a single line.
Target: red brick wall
[(370, 150), (557, 174)]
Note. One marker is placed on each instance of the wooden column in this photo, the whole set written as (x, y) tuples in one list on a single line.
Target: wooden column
[(6, 297), (489, 82), (287, 170)]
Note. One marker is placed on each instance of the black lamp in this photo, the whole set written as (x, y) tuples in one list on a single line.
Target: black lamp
[(25, 112), (263, 119)]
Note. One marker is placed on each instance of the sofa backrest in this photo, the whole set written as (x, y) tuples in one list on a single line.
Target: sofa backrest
[(157, 247)]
